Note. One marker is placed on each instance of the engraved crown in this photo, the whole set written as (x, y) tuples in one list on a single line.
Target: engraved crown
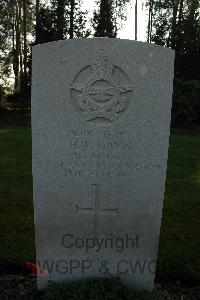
[(102, 67)]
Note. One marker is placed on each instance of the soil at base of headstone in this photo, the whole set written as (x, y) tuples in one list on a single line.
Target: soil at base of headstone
[(24, 287)]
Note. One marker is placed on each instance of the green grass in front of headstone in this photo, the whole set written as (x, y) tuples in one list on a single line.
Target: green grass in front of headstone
[(16, 207), (179, 247), (93, 289)]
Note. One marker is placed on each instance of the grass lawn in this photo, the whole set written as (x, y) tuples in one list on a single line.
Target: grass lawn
[(179, 246)]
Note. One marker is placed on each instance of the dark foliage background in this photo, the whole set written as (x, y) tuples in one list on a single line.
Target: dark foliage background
[(171, 23)]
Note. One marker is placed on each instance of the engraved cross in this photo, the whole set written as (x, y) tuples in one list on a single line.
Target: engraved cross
[(97, 211)]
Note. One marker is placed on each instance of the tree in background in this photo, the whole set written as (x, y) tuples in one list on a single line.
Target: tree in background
[(6, 26), (104, 20), (176, 24), (187, 42), (24, 23), (44, 30), (71, 27), (15, 24), (150, 5), (58, 9), (108, 17), (62, 19), (77, 19), (136, 19)]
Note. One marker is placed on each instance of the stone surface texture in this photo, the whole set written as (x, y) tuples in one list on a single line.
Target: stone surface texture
[(101, 113)]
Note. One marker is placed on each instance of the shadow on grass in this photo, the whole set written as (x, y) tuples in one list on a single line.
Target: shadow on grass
[(93, 289), (179, 247)]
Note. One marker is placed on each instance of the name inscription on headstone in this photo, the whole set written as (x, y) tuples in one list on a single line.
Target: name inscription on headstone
[(106, 157)]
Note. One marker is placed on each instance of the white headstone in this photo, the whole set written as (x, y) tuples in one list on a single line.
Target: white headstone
[(100, 126)]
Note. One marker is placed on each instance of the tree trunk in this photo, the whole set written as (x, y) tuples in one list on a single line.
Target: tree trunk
[(150, 21), (175, 4), (17, 43), (136, 6), (15, 69), (71, 28), (37, 10), (25, 41), (180, 16), (20, 45), (60, 19)]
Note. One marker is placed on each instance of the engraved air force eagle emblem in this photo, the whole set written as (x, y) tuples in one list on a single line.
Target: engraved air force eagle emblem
[(101, 91)]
